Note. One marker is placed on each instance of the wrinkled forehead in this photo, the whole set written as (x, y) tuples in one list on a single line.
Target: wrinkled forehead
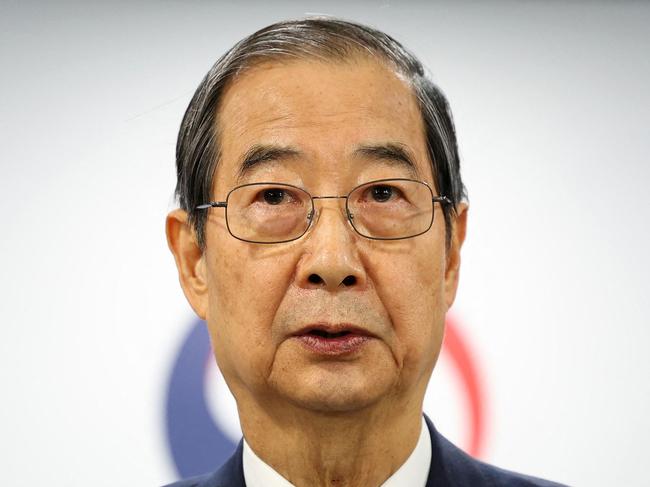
[(307, 113)]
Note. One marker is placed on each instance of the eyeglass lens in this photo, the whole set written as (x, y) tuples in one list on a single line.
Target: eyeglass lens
[(388, 209)]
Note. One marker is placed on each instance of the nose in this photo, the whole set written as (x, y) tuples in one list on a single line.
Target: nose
[(331, 259)]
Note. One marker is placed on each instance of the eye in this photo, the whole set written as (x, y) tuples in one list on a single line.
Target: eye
[(382, 193), (274, 196)]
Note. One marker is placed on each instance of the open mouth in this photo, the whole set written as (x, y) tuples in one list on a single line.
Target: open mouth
[(332, 341), (325, 334)]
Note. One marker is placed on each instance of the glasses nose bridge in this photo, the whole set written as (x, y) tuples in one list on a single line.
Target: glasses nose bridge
[(315, 214), (329, 197)]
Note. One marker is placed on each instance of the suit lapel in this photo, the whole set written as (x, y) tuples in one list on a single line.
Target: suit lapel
[(231, 473), (437, 474)]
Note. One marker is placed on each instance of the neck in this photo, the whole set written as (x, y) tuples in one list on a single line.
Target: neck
[(312, 448)]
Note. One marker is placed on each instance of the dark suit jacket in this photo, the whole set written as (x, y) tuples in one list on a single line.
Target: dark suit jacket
[(450, 467)]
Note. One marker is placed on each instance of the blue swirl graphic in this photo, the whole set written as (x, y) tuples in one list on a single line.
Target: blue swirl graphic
[(197, 444)]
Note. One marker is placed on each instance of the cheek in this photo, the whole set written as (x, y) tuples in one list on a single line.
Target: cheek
[(411, 287), (246, 287)]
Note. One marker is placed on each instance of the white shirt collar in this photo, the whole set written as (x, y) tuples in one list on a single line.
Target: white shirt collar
[(413, 472)]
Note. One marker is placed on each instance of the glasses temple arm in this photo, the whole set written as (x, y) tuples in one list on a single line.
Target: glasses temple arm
[(214, 204), (442, 199)]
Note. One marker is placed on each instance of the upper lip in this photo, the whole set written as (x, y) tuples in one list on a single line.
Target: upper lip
[(333, 328)]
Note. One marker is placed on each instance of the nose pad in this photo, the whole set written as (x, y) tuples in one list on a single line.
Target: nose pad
[(314, 214)]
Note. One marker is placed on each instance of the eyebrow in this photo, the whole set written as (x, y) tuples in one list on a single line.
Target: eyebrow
[(260, 154), (394, 153)]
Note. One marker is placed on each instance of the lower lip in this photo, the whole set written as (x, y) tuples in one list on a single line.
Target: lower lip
[(333, 346)]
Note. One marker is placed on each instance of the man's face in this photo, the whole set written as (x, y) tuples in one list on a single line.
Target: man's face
[(261, 300)]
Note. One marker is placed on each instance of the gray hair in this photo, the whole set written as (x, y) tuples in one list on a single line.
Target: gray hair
[(330, 39)]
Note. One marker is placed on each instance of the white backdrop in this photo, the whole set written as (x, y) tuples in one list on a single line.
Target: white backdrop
[(552, 108)]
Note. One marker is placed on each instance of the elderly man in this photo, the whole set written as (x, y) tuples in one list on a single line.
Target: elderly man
[(319, 235)]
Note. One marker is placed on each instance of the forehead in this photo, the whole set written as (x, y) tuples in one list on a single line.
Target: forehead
[(324, 111)]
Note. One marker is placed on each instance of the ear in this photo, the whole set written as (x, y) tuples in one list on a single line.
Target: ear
[(458, 228), (183, 243)]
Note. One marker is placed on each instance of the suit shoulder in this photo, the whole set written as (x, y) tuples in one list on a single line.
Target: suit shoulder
[(507, 478), (190, 482), (466, 470), (230, 474)]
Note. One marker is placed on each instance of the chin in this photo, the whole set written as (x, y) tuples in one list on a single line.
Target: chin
[(338, 394), (334, 404)]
